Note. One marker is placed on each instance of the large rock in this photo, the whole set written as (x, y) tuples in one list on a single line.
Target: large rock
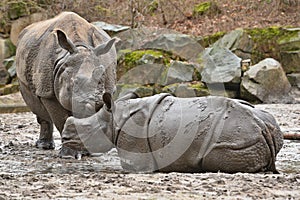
[(290, 60), (134, 39), (294, 79), (129, 59), (19, 24), (180, 72), (266, 82), (238, 41), (4, 76), (144, 74), (111, 29), (7, 49), (290, 50), (220, 65), (140, 90), (182, 45), (10, 65), (192, 89)]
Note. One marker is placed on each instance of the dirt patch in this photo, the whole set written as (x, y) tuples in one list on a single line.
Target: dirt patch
[(30, 173)]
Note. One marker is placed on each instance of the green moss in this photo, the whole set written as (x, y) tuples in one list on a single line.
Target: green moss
[(269, 42), (208, 7), (131, 58), (128, 59), (290, 40), (196, 88), (140, 90), (201, 8), (11, 47), (198, 85), (211, 39), (17, 9), (259, 34), (170, 88), (153, 6), (101, 9)]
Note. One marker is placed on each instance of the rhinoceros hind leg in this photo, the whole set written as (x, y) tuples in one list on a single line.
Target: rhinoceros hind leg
[(46, 135)]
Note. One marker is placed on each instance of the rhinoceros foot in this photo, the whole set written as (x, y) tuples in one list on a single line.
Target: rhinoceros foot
[(67, 152), (45, 144)]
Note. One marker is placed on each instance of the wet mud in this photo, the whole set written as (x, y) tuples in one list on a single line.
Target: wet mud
[(30, 173)]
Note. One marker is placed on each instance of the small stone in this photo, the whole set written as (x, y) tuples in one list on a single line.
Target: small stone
[(21, 126)]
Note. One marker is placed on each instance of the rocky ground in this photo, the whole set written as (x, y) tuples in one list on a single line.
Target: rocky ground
[(30, 173)]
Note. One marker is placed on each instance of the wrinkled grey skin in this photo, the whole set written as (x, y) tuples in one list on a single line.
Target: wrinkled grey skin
[(166, 133), (64, 65)]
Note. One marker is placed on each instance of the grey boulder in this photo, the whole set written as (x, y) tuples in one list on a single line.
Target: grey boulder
[(220, 65), (266, 82)]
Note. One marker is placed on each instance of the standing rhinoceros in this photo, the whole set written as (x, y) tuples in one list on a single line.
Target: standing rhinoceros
[(166, 133), (64, 65)]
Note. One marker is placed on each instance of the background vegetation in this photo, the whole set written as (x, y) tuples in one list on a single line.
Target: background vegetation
[(197, 17)]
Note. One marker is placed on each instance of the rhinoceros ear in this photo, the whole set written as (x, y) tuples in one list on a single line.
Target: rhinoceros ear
[(107, 99), (104, 48), (65, 42)]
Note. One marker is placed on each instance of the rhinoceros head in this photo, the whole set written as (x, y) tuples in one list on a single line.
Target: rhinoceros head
[(79, 77), (93, 134)]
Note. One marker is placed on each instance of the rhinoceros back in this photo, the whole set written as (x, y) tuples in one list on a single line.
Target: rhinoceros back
[(38, 49), (196, 135), (213, 134)]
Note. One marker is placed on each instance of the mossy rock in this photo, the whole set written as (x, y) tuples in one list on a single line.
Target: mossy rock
[(17, 9), (269, 42), (140, 90), (200, 88), (206, 8), (290, 61), (153, 6), (10, 47), (9, 88), (208, 40), (128, 59), (191, 89), (12, 10)]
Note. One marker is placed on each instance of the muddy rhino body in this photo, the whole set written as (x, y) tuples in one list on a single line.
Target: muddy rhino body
[(165, 133), (63, 65)]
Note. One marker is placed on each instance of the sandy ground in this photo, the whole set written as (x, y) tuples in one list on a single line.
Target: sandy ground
[(30, 173)]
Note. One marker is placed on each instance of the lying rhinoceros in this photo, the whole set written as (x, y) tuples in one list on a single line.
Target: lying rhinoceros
[(166, 133), (64, 65)]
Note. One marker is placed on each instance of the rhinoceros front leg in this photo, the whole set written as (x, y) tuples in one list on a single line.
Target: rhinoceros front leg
[(45, 140), (56, 112)]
